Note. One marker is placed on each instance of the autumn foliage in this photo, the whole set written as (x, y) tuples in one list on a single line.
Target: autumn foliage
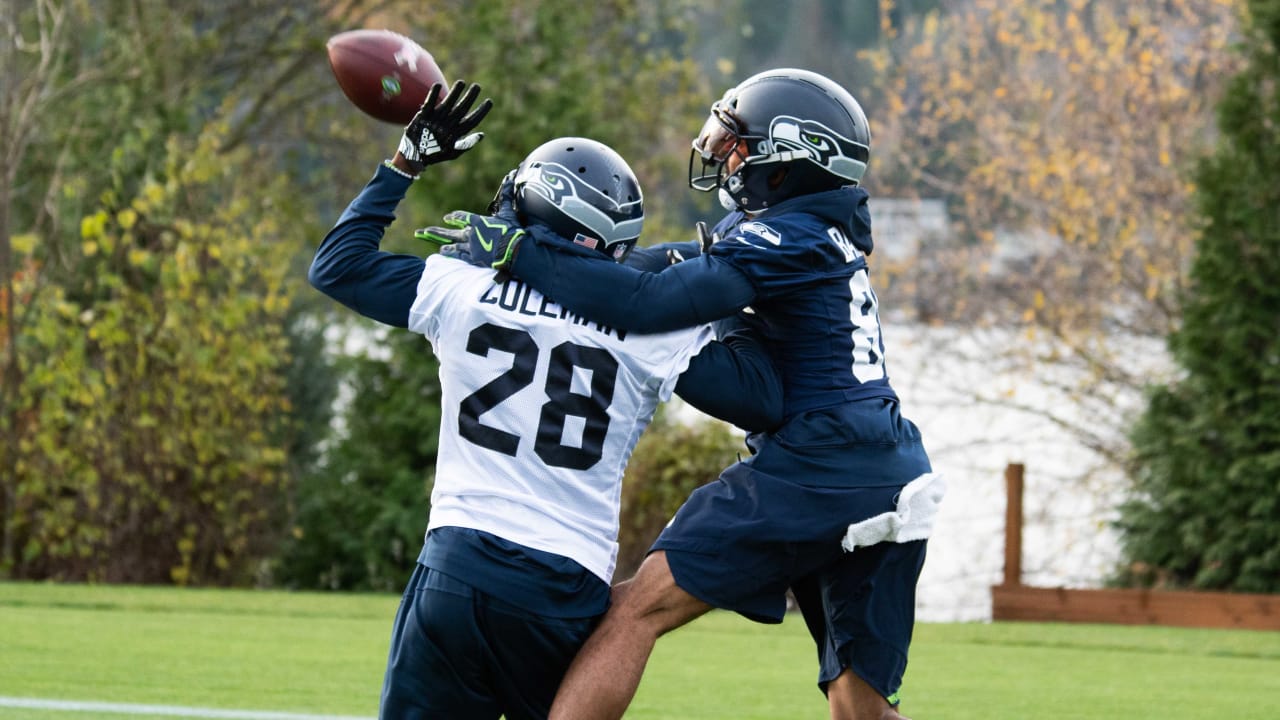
[(1062, 137)]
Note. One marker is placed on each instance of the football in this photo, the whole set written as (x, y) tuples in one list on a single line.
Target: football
[(383, 73)]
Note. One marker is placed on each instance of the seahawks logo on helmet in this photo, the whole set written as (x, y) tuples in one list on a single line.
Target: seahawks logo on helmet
[(591, 208), (839, 155)]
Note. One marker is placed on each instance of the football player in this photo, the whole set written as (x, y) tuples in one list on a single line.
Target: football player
[(837, 503), (541, 408)]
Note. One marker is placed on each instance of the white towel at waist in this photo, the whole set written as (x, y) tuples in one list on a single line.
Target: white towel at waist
[(911, 520)]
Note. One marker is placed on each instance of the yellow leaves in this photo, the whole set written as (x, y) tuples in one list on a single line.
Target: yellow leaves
[(1082, 45), (959, 83), (127, 218), (93, 226), (89, 248), (151, 197), (276, 303), (877, 61), (930, 27), (24, 243), (82, 396), (64, 309)]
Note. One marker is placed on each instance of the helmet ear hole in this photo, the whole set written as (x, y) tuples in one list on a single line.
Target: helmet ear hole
[(777, 177)]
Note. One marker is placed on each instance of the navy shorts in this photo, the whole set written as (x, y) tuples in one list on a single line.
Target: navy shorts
[(457, 652), (861, 612), (775, 522)]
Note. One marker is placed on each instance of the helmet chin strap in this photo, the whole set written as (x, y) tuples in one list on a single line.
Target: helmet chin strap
[(731, 184), (735, 195), (726, 200)]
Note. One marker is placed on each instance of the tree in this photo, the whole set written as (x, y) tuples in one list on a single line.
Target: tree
[(147, 221), (1206, 462), (1061, 135), (359, 519)]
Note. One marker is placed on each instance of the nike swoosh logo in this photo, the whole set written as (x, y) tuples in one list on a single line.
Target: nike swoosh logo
[(485, 243)]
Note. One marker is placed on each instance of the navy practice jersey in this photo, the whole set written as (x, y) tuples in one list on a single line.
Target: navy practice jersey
[(799, 269)]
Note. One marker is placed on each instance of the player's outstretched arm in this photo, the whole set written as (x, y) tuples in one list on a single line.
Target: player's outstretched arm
[(349, 267), (657, 258), (688, 293), (681, 295)]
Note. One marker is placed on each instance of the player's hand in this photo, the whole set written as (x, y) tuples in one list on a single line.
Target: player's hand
[(460, 251), (503, 204), (439, 133), (705, 241), (705, 238), (490, 240)]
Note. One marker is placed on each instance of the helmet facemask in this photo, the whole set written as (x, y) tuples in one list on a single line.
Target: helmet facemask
[(795, 133), (721, 136)]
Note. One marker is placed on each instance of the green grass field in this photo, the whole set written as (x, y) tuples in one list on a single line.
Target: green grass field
[(323, 654)]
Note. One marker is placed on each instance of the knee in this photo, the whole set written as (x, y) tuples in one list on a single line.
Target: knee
[(652, 601), (636, 601)]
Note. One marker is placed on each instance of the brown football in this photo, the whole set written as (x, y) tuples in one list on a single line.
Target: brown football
[(383, 73)]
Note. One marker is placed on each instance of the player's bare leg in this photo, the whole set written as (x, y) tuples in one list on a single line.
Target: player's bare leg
[(606, 672), (851, 698)]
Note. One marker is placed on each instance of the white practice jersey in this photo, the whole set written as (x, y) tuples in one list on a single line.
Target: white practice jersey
[(541, 410)]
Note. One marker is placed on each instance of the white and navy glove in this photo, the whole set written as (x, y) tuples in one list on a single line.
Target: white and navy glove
[(442, 132), (705, 241)]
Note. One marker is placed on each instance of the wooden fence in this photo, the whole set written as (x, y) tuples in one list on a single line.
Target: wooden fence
[(1012, 600)]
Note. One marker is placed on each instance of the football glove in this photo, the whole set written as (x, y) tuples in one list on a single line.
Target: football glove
[(439, 133), (705, 241), (490, 240), (705, 238), (459, 251), (503, 204)]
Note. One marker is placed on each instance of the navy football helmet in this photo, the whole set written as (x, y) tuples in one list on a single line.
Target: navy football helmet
[(795, 131), (584, 191)]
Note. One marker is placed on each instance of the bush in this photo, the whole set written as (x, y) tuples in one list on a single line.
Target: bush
[(359, 519), (671, 460)]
